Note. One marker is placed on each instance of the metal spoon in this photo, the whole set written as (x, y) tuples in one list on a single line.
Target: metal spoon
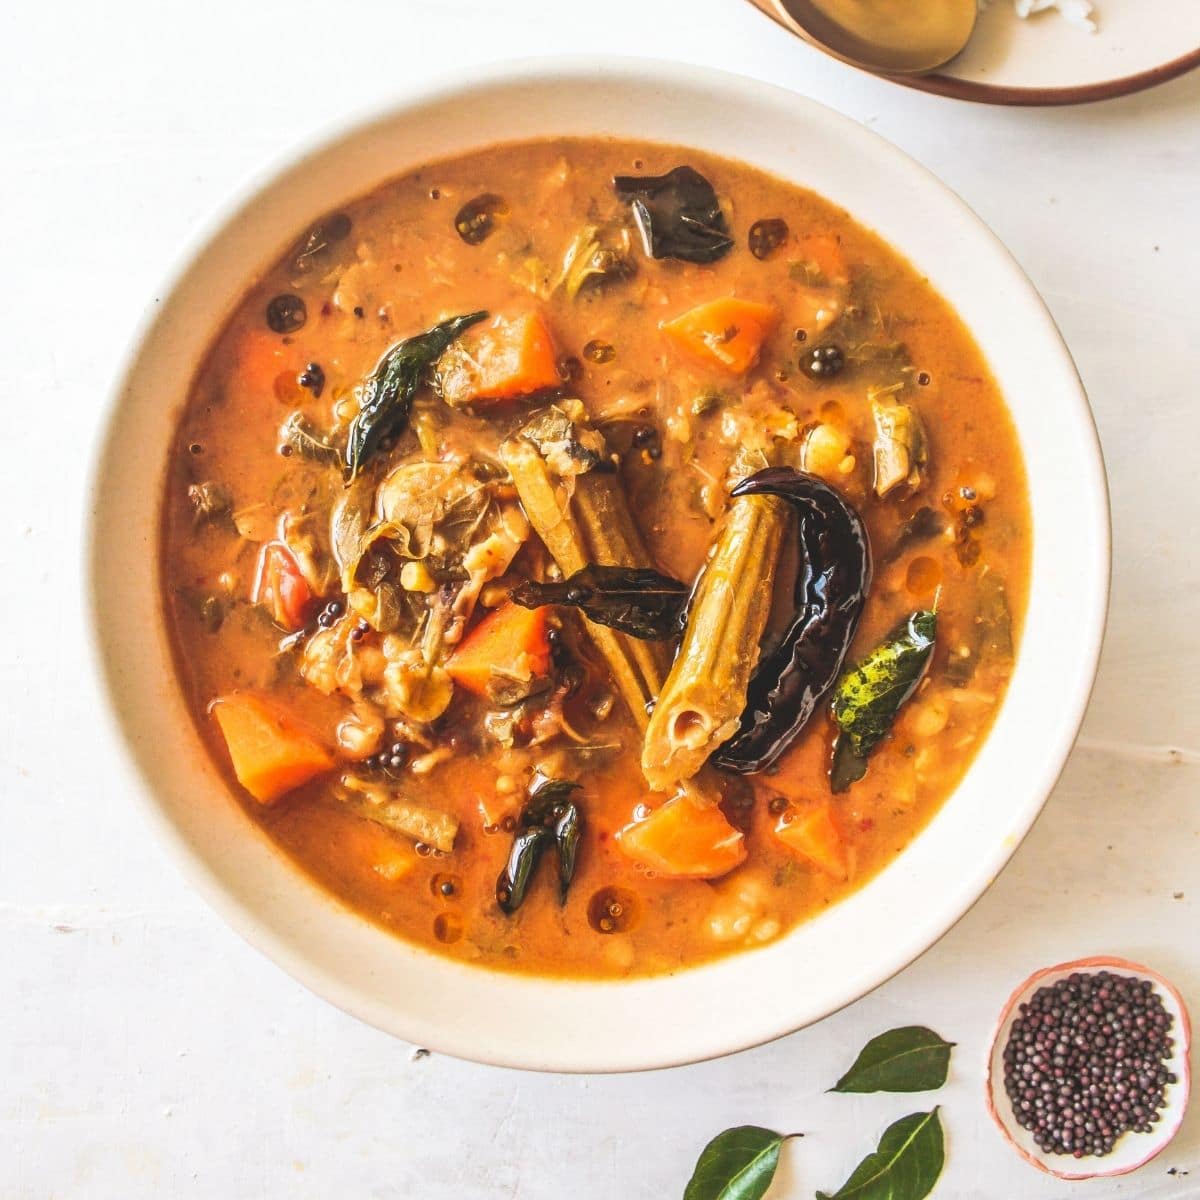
[(899, 37)]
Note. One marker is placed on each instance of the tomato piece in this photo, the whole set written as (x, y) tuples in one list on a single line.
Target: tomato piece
[(280, 586)]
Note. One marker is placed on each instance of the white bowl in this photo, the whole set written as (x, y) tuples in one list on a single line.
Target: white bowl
[(1132, 1150), (820, 966)]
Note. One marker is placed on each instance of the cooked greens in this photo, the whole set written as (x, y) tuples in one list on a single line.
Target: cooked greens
[(297, 433), (596, 255), (993, 633), (867, 698)]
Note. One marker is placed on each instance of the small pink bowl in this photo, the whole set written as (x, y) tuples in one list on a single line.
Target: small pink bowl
[(1133, 1150)]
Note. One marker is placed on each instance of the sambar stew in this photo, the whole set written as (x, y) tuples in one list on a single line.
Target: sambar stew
[(588, 558)]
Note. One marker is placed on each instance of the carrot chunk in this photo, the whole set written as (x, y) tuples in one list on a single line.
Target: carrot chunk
[(813, 834), (511, 358), (728, 333), (509, 643), (683, 840), (271, 753)]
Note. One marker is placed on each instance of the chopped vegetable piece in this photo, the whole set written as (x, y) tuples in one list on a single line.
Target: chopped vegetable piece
[(831, 588), (823, 251), (511, 642), (868, 697), (280, 587), (511, 359), (677, 214), (813, 833), (595, 256), (388, 393), (901, 447), (209, 501), (426, 826), (568, 446), (728, 333), (271, 753), (703, 697), (684, 840), (297, 433), (635, 600), (377, 847), (590, 524)]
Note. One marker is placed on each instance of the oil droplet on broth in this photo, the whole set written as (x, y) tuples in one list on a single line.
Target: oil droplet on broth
[(447, 927)]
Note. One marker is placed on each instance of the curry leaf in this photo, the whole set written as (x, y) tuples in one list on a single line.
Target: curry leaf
[(387, 395), (635, 600), (867, 698), (566, 837), (909, 1059), (905, 1166), (550, 817), (677, 214), (738, 1164), (527, 849)]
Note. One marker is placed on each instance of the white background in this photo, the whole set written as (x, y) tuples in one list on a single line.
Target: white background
[(144, 1050)]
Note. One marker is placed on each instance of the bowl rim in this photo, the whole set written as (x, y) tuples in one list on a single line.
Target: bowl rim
[(545, 72)]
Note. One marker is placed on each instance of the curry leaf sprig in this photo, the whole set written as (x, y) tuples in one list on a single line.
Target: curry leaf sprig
[(388, 392)]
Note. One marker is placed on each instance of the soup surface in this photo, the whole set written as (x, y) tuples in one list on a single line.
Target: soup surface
[(358, 490)]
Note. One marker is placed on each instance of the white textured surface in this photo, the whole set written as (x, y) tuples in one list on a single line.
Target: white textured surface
[(144, 1051)]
